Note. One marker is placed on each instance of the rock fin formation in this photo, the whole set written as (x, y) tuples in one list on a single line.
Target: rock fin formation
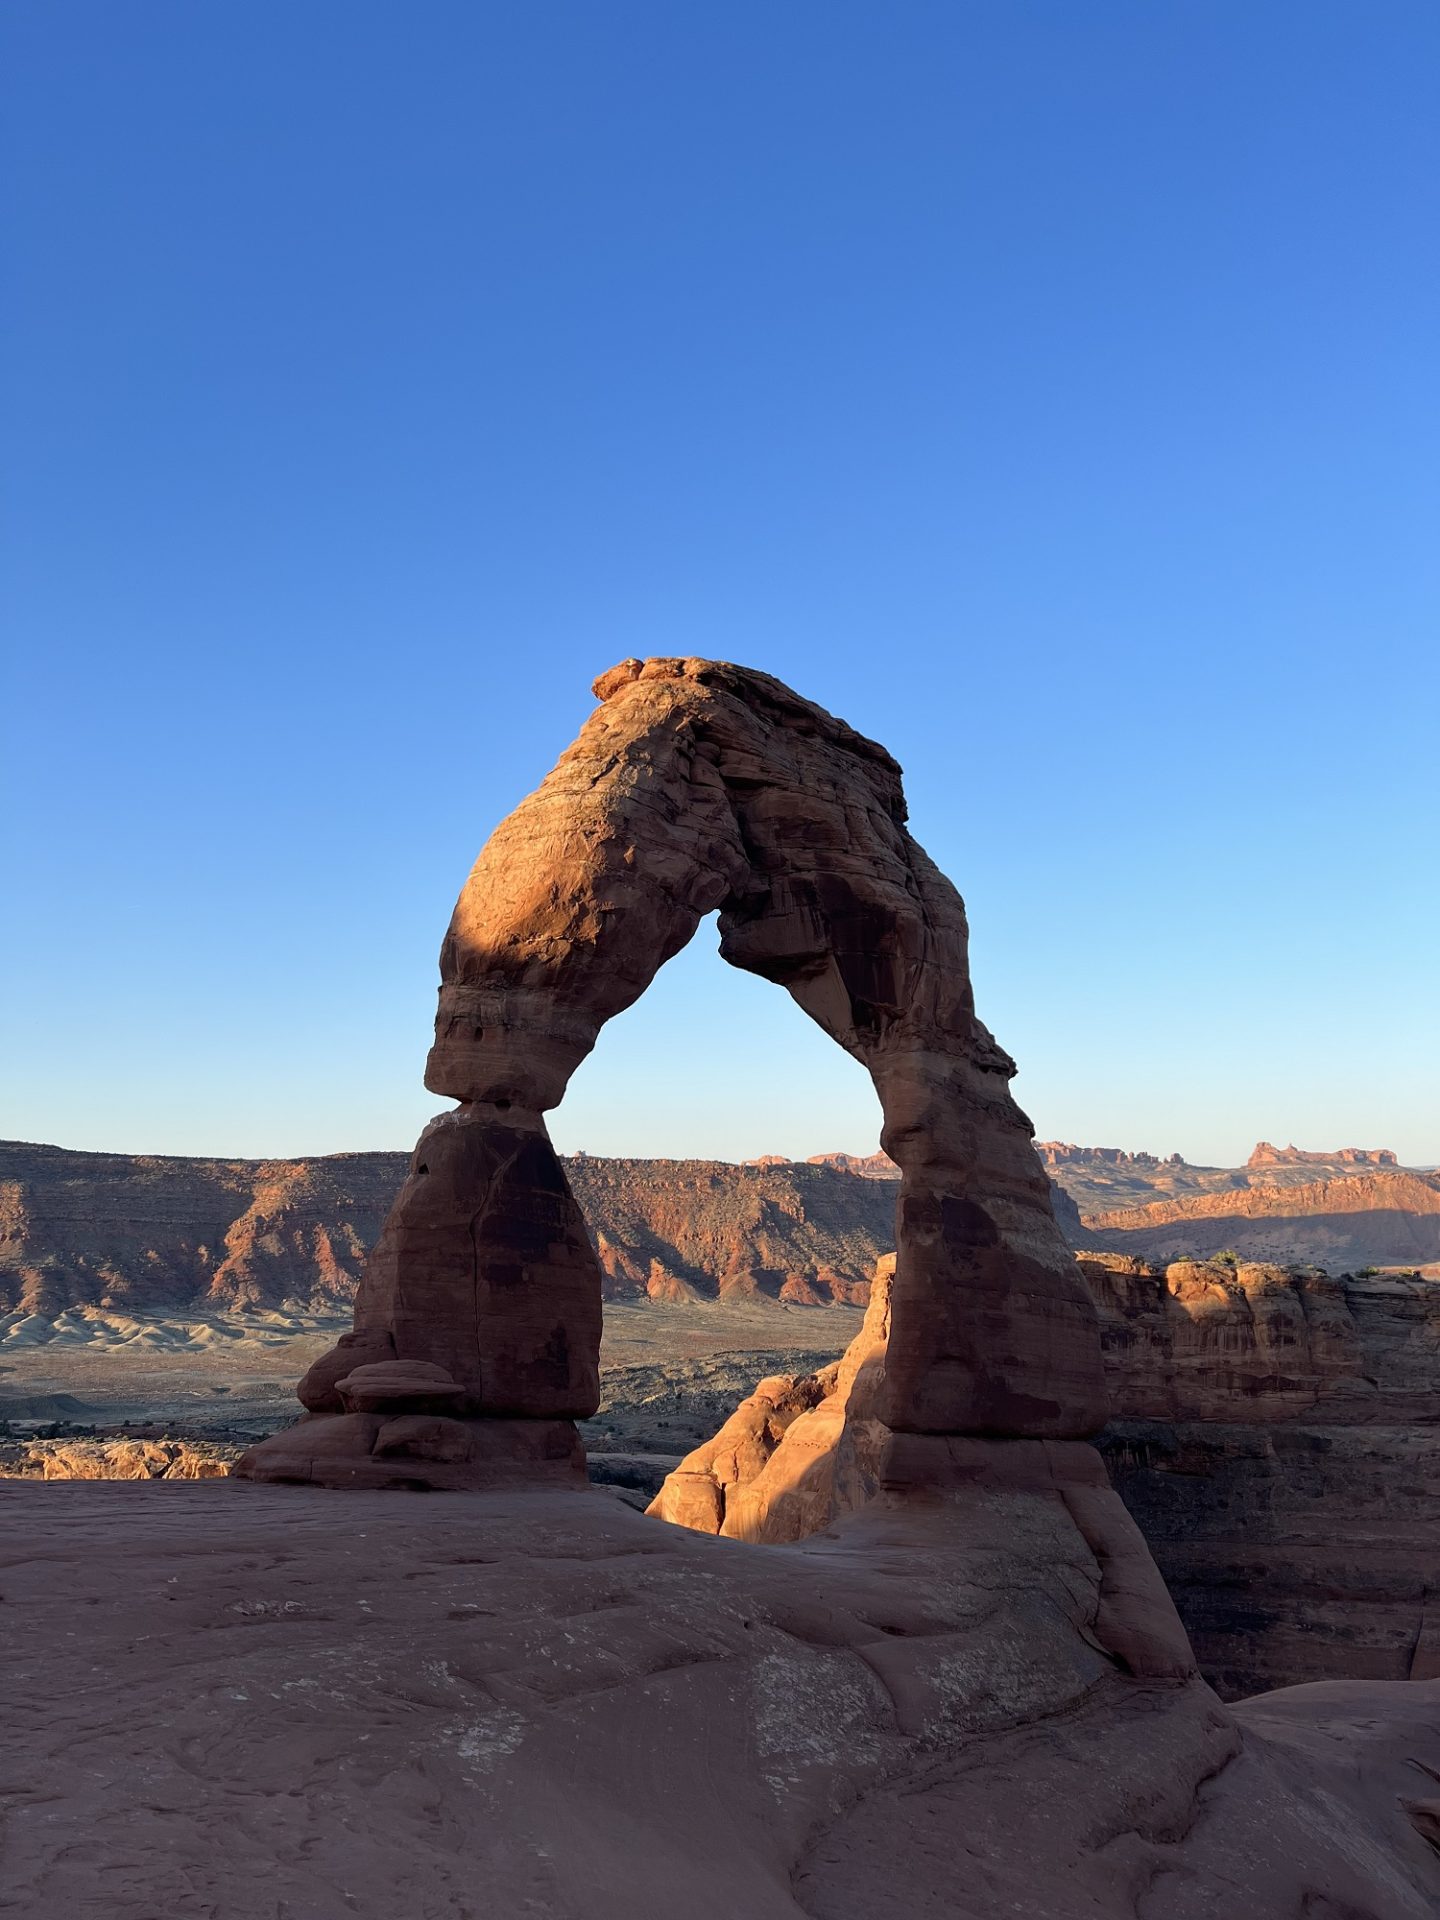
[(697, 785)]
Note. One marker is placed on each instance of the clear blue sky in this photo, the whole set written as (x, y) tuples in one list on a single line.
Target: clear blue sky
[(1050, 389)]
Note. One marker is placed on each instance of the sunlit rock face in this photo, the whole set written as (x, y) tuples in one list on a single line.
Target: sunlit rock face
[(799, 1452), (699, 786)]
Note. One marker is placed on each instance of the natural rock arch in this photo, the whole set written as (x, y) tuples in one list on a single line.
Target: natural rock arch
[(696, 785)]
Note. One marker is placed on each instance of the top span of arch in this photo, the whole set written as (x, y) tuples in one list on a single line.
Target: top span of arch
[(697, 785), (763, 693)]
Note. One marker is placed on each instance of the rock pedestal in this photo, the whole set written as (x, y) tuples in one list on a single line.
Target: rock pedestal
[(477, 1326)]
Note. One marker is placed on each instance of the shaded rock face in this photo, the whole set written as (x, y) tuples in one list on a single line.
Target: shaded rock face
[(1277, 1439), (484, 1267), (1294, 1551), (698, 786)]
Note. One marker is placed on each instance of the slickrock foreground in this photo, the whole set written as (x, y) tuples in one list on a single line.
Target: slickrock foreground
[(248, 1701)]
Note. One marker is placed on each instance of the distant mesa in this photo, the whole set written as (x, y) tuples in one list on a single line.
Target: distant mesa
[(869, 1166), (1385, 1217), (1060, 1153), (1267, 1156)]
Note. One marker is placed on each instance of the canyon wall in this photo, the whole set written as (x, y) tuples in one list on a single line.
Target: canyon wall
[(1384, 1218), (162, 1234), (1275, 1435), (156, 1234), (1277, 1438)]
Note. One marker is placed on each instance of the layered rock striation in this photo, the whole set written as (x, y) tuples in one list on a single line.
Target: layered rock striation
[(696, 1230), (149, 1234), (165, 1234), (1277, 1438), (1379, 1218)]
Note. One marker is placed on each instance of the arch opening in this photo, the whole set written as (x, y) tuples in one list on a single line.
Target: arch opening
[(699, 787)]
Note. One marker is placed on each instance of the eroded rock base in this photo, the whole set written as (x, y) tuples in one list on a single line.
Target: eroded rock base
[(417, 1451)]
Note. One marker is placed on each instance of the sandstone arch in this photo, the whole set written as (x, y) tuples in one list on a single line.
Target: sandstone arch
[(695, 785)]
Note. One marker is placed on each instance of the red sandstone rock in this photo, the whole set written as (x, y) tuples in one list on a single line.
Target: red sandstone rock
[(799, 1455), (318, 1391), (700, 785), (484, 1269), (250, 1700), (1277, 1440), (798, 1451), (399, 1386), (416, 1451), (121, 1460), (1388, 1217), (1216, 1342)]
